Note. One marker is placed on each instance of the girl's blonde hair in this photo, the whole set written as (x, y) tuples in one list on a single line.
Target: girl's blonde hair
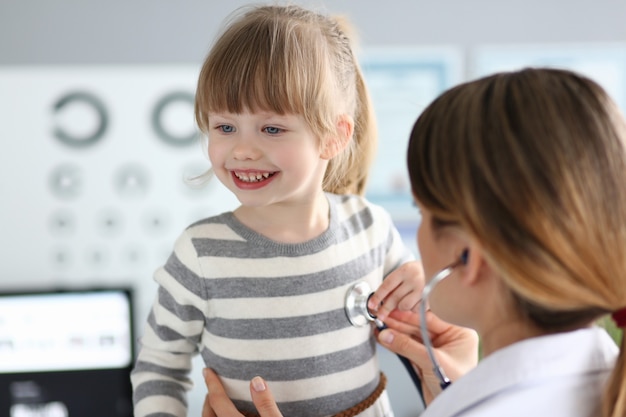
[(290, 60), (533, 164)]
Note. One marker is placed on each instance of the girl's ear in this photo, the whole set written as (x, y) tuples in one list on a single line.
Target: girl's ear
[(335, 144)]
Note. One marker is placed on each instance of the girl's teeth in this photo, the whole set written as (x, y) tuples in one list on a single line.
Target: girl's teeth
[(253, 178)]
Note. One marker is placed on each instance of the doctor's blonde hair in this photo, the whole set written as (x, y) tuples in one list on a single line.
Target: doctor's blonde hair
[(533, 165), (290, 60)]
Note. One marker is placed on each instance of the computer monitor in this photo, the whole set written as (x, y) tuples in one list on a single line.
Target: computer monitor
[(66, 353)]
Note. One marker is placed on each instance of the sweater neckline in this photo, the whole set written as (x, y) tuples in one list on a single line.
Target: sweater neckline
[(257, 238)]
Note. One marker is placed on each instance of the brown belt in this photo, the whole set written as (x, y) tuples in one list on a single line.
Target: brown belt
[(366, 403), (356, 409)]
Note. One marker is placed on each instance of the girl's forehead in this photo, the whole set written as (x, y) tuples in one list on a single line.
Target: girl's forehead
[(253, 113)]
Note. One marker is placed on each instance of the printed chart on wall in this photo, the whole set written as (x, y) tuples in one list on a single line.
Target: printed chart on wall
[(93, 177), (402, 82), (603, 62)]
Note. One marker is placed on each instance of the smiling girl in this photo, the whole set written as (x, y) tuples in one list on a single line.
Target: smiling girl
[(260, 290)]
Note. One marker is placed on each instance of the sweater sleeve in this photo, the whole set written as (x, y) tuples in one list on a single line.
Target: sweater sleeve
[(171, 336)]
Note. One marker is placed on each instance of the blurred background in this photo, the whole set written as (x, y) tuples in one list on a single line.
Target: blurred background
[(96, 118)]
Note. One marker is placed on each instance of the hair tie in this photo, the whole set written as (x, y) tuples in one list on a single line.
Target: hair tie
[(619, 317)]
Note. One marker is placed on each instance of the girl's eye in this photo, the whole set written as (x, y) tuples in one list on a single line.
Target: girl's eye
[(226, 128), (272, 130)]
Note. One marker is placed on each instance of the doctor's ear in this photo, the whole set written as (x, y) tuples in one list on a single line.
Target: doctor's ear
[(337, 142), (474, 264)]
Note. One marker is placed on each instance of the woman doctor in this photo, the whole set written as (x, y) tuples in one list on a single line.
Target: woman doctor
[(521, 182)]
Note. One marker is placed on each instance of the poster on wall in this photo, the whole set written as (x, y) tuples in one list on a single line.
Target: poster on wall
[(603, 62), (402, 82)]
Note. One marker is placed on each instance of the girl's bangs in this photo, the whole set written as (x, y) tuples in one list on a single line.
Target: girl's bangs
[(259, 84)]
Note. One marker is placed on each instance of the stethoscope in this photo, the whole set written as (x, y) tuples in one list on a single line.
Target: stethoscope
[(359, 315)]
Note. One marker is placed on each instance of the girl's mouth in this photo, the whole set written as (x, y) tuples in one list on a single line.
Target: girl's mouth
[(251, 177)]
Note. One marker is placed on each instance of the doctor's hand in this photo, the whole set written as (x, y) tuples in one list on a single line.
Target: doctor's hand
[(217, 403), (401, 289), (456, 348)]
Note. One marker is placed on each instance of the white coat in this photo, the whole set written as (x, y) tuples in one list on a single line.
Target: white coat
[(561, 375)]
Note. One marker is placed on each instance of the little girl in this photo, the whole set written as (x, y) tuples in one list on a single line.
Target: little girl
[(260, 290)]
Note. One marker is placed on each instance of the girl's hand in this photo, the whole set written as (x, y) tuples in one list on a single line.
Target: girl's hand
[(401, 289), (456, 348), (217, 403)]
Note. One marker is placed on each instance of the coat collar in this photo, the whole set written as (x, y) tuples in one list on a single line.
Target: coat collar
[(527, 362)]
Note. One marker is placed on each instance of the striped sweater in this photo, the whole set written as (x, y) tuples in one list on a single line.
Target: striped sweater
[(251, 306)]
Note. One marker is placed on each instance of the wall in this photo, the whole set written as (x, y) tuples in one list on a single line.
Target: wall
[(166, 31)]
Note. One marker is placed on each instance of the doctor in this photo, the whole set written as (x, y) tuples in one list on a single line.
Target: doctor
[(521, 182)]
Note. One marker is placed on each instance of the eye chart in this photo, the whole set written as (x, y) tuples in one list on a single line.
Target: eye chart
[(93, 174)]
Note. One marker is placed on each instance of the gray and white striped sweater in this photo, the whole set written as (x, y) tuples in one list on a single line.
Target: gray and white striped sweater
[(251, 306)]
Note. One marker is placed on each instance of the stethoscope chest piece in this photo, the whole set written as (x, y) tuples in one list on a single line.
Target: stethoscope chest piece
[(356, 304)]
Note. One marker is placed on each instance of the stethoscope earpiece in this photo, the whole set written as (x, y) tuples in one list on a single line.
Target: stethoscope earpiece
[(465, 256)]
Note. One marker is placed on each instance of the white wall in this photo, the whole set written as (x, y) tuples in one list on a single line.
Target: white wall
[(166, 31)]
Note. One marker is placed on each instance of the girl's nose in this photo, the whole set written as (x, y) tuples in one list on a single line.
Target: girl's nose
[(246, 148)]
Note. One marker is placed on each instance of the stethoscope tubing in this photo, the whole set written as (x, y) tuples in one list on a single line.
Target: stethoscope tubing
[(444, 381)]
